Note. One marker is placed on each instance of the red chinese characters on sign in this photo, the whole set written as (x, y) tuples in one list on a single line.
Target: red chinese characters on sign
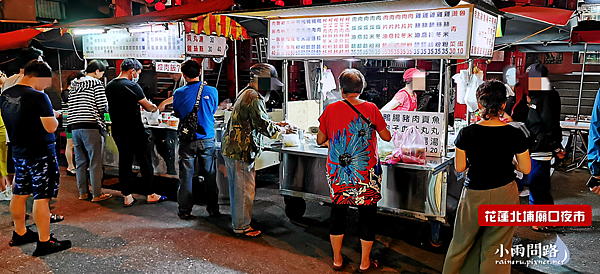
[(202, 45), (168, 67)]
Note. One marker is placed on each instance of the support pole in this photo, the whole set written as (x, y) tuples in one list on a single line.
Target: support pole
[(235, 69), (286, 86), (441, 85), (581, 84), (202, 70), (469, 74), (60, 71), (446, 108)]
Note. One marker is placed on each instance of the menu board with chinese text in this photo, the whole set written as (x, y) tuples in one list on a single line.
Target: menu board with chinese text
[(203, 45), (440, 33), (429, 124), (121, 44), (170, 67), (483, 34)]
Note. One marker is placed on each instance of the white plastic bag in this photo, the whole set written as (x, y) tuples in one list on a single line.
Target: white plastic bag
[(413, 147), (461, 79), (471, 95), (291, 140)]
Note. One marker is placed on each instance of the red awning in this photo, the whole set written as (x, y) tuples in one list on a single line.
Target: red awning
[(551, 16), (589, 36), (171, 14), (220, 25), (17, 39)]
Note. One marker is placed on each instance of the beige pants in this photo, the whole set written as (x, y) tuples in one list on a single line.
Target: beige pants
[(473, 247)]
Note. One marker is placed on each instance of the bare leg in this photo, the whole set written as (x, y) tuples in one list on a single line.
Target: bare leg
[(2, 184), (336, 245), (9, 180), (17, 209), (41, 216), (69, 154), (365, 261)]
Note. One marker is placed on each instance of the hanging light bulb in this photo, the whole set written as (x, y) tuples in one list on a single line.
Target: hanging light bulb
[(279, 3), (159, 6)]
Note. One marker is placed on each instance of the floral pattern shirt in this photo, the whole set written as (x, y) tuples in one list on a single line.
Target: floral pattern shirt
[(353, 170)]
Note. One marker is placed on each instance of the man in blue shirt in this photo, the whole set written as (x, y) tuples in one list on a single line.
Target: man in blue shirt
[(203, 148)]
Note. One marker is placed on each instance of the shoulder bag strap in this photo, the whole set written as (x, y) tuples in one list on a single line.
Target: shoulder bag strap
[(371, 125), (195, 109)]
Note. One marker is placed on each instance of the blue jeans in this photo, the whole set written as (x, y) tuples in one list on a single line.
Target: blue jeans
[(89, 147), (241, 177), (539, 183), (204, 152)]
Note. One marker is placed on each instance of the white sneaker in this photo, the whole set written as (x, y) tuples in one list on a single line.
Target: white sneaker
[(524, 193), (6, 195)]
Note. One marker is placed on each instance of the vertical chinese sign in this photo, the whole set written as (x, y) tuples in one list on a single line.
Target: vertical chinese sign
[(429, 124)]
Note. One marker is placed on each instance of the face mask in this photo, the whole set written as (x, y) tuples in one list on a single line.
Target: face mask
[(264, 84), (136, 79)]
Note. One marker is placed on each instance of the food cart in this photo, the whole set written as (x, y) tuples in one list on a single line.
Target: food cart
[(428, 192)]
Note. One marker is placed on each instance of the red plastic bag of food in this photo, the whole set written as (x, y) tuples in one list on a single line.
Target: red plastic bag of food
[(395, 157), (413, 147)]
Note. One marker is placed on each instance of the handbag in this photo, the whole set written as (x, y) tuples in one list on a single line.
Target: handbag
[(188, 127)]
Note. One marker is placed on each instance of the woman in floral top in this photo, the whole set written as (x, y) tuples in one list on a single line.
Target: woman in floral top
[(353, 170)]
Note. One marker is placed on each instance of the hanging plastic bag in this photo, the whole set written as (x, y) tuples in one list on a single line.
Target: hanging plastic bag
[(471, 95), (413, 147), (387, 149), (461, 79)]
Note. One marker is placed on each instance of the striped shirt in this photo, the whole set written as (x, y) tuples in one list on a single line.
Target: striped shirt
[(87, 104)]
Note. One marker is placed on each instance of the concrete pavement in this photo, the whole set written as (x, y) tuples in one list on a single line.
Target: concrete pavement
[(108, 238)]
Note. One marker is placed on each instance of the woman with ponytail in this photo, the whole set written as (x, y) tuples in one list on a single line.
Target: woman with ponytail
[(488, 149)]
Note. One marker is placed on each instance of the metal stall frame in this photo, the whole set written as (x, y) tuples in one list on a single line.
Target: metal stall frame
[(300, 166)]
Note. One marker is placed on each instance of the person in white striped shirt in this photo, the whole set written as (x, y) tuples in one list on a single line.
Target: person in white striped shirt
[(87, 106)]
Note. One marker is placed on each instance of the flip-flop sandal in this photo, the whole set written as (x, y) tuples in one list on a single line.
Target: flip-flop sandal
[(247, 233), (160, 200), (130, 204), (341, 267), (372, 266), (56, 218)]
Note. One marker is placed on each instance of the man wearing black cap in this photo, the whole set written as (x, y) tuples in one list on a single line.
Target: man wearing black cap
[(543, 121), (124, 99), (242, 143)]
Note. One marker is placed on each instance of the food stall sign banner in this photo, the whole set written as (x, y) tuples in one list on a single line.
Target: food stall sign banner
[(121, 44), (438, 33), (172, 67), (429, 124), (205, 46), (483, 34)]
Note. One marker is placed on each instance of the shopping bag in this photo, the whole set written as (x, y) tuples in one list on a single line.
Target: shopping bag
[(394, 156), (413, 147)]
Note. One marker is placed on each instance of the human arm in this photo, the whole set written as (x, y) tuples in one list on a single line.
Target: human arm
[(460, 160), (260, 119), (165, 103), (100, 99), (147, 105), (46, 113), (391, 105)]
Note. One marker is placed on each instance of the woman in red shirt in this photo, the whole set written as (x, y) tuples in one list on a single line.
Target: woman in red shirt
[(353, 169)]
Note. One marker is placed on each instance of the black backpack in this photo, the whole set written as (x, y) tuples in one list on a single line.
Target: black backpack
[(188, 127)]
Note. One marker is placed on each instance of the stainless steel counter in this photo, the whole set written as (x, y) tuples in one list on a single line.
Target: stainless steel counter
[(409, 190)]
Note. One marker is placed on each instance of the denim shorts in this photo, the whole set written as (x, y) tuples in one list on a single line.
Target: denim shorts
[(39, 176)]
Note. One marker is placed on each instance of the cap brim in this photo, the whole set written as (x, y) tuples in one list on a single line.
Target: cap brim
[(275, 82)]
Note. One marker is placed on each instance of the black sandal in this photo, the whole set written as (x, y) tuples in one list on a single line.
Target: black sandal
[(130, 204), (56, 218), (372, 266)]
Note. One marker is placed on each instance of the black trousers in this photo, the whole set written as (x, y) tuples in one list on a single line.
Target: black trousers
[(140, 147), (366, 221)]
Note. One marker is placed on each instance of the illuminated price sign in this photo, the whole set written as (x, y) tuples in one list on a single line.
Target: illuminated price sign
[(483, 34)]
